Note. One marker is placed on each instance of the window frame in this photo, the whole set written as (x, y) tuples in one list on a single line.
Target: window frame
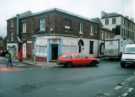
[(12, 24), (24, 27), (113, 20), (106, 21), (42, 24), (12, 36), (81, 28)]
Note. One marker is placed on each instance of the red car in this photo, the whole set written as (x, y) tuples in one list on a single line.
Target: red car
[(76, 59)]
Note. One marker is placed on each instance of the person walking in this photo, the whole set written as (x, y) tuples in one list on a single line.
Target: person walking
[(9, 59)]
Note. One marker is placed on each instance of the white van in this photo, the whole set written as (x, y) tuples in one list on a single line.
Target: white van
[(128, 56)]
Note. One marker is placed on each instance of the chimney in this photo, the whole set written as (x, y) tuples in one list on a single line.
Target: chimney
[(103, 14), (132, 19)]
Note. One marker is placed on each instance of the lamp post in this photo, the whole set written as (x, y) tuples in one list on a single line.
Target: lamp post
[(19, 39)]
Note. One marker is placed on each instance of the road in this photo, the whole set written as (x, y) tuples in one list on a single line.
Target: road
[(63, 82)]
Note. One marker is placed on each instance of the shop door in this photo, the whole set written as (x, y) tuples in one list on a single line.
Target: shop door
[(54, 51)]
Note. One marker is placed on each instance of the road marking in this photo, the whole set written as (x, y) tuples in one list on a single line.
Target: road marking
[(118, 87), (130, 89), (125, 94), (130, 78), (107, 94)]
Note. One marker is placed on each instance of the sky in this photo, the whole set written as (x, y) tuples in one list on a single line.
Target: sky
[(85, 8)]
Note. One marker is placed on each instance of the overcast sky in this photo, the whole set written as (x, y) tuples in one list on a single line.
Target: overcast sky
[(86, 8)]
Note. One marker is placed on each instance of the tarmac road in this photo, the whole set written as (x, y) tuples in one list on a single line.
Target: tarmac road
[(63, 82)]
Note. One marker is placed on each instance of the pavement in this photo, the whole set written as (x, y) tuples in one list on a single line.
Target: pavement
[(35, 64), (20, 66)]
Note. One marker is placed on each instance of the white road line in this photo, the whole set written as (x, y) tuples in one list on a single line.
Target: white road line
[(130, 78), (130, 89), (118, 87), (124, 95)]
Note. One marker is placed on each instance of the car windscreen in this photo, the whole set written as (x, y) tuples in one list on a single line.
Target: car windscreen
[(80, 56), (130, 50)]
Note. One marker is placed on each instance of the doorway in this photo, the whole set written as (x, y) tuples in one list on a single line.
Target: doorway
[(91, 48), (54, 50)]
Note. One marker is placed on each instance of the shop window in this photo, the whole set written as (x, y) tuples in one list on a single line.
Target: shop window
[(91, 48)]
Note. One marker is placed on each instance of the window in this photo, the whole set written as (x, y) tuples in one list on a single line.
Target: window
[(81, 28), (102, 35), (11, 23), (68, 24), (91, 30), (12, 36), (95, 29), (106, 21), (40, 50), (42, 24), (91, 47), (122, 20), (24, 28), (113, 20)]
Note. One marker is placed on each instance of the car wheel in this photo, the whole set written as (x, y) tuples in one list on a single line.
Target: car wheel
[(68, 65), (94, 63), (123, 65)]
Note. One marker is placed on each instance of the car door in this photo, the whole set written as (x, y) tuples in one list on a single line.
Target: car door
[(85, 60), (76, 60), (79, 60)]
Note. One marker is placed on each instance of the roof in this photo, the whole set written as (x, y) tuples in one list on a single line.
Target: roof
[(97, 20), (58, 10), (111, 15)]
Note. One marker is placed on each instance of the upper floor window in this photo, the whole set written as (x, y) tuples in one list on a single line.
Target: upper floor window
[(12, 36), (113, 20), (81, 28), (42, 24), (68, 22), (24, 27), (106, 21), (91, 30), (102, 35), (11, 23)]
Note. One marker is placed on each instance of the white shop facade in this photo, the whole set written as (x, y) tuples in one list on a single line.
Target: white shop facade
[(48, 48)]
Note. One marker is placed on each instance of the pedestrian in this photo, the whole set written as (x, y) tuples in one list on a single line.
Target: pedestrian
[(9, 59)]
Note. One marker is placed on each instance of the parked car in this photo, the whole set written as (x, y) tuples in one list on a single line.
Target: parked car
[(77, 59), (128, 57)]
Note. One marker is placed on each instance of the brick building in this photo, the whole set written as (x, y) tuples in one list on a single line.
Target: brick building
[(48, 34)]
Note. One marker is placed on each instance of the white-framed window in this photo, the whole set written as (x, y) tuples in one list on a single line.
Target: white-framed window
[(12, 36), (91, 30), (81, 28), (42, 24), (114, 20), (106, 21), (24, 27), (40, 50), (102, 35)]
